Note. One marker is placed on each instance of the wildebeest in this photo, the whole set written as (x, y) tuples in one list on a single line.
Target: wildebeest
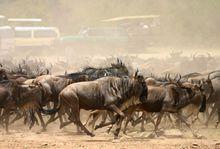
[(211, 87), (169, 98), (107, 93), (6, 102)]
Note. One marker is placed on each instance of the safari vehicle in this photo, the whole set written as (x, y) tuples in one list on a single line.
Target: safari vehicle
[(36, 36), (123, 34), (2, 20), (99, 39), (6, 38)]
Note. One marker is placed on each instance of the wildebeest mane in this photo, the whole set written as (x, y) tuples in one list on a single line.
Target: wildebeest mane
[(118, 69)]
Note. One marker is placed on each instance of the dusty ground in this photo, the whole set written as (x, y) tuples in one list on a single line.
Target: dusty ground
[(21, 137)]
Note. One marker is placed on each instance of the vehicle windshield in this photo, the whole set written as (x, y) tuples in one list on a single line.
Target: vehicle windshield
[(112, 32), (23, 34), (44, 33), (6, 33)]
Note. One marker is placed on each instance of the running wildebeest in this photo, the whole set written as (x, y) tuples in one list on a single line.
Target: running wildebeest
[(107, 93), (170, 98)]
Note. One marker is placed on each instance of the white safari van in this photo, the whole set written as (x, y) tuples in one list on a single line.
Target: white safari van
[(6, 38), (36, 36)]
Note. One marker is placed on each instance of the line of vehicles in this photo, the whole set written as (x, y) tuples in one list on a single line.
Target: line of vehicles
[(127, 33), (21, 33)]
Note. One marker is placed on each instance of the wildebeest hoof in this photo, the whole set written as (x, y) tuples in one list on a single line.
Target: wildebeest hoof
[(8, 133), (124, 132), (142, 130), (152, 135), (116, 137), (216, 124), (198, 136), (116, 140), (62, 125), (92, 134), (41, 130)]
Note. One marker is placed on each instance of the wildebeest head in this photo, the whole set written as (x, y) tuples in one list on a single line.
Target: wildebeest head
[(28, 95), (206, 86), (197, 95), (3, 75), (140, 87)]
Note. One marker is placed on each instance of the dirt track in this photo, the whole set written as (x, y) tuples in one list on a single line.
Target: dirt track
[(21, 137)]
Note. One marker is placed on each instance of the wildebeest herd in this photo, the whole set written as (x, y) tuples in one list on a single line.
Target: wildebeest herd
[(112, 93)]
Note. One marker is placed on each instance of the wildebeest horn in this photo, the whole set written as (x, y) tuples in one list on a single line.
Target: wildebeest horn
[(118, 60), (121, 62), (175, 77), (168, 76), (19, 66), (179, 78), (136, 73), (208, 78), (215, 77), (47, 71)]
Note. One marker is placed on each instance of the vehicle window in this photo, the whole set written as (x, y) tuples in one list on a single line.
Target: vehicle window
[(23, 34), (6, 33), (44, 33), (106, 32)]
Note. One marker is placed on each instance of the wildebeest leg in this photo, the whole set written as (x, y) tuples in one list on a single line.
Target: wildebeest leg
[(17, 117), (144, 114), (92, 114), (129, 114), (216, 125), (112, 118), (170, 119), (95, 118), (52, 117), (6, 116), (2, 116), (60, 114), (118, 128), (116, 109), (65, 124), (75, 117), (158, 121), (211, 114), (42, 121), (107, 124), (187, 124), (151, 119)]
